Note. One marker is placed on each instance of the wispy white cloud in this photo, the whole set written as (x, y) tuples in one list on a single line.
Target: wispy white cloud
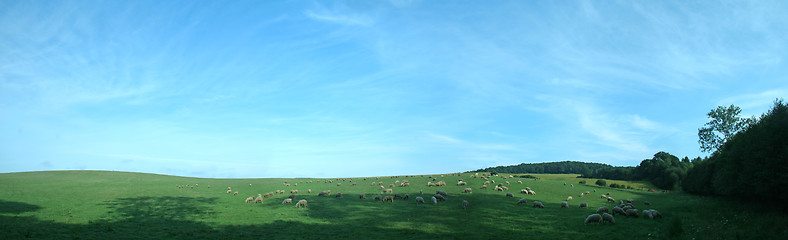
[(339, 15)]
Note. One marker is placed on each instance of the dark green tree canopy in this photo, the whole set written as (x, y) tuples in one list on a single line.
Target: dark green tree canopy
[(725, 122)]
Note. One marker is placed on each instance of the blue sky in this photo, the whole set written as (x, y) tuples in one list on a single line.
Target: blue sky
[(365, 88)]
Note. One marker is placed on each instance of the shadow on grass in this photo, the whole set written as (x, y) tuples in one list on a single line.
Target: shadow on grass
[(181, 218), (17, 207)]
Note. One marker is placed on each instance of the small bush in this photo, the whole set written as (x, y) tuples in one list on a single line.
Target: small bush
[(601, 182), (674, 229), (615, 185), (582, 182), (528, 176)]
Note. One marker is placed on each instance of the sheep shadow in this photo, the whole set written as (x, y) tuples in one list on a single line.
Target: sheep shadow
[(17, 207)]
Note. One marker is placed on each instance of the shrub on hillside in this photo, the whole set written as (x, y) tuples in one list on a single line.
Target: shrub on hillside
[(582, 182), (601, 182)]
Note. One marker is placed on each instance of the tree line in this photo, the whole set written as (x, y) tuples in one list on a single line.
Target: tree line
[(550, 167), (749, 159)]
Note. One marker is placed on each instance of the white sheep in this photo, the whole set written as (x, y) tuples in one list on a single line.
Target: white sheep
[(509, 194), (521, 201), (569, 198), (632, 212), (618, 210), (323, 193), (441, 193), (538, 204), (378, 198), (608, 218), (583, 204), (259, 198), (439, 197), (249, 199), (601, 210), (593, 218), (434, 200), (388, 198), (302, 203), (287, 201), (465, 204), (467, 190), (235, 193), (564, 204), (338, 195), (419, 200), (362, 196)]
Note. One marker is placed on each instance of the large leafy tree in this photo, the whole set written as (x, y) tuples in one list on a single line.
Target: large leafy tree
[(725, 122)]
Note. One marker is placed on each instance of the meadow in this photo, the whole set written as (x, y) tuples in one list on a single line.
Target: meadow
[(102, 204)]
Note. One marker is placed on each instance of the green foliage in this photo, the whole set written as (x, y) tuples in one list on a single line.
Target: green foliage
[(551, 167), (601, 182), (582, 182), (724, 123), (751, 164), (663, 170), (676, 228), (528, 176)]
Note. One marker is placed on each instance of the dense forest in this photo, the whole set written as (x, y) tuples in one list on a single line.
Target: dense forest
[(749, 159), (550, 167), (752, 164)]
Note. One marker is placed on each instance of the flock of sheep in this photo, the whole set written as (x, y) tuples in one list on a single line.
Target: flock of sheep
[(602, 215)]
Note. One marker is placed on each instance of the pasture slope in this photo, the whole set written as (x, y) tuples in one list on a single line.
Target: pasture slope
[(105, 205)]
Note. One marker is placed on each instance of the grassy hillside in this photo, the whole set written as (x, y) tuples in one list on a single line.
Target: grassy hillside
[(97, 204)]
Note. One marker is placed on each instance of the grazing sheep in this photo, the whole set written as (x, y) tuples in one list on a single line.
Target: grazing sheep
[(441, 193), (610, 199), (323, 193), (646, 202), (569, 198), (391, 185), (601, 210), (583, 204), (520, 182), (292, 196), (362, 196), (249, 199), (461, 183), (235, 193), (398, 195), (618, 210), (509, 194), (259, 198), (564, 205), (302, 203), (229, 191), (419, 200), (439, 197), (388, 198), (531, 192), (465, 204), (338, 195), (593, 218), (625, 208), (378, 198), (521, 201), (538, 204), (607, 193), (608, 218), (405, 197), (632, 213), (651, 214), (467, 190), (572, 185), (382, 187), (524, 191), (250, 185), (288, 201), (421, 192), (603, 196), (434, 200)]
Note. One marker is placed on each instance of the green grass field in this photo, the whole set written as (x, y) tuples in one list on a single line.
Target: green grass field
[(102, 205)]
